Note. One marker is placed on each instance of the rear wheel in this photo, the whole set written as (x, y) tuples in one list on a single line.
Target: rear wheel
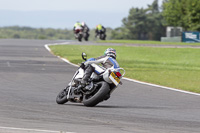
[(98, 95), (62, 96)]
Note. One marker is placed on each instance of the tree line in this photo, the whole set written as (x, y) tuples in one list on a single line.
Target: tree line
[(18, 32), (34, 33), (141, 24), (150, 23)]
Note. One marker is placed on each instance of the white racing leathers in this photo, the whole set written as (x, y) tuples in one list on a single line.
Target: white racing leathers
[(106, 61)]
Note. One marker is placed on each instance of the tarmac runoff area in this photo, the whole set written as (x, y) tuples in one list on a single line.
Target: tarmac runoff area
[(31, 77)]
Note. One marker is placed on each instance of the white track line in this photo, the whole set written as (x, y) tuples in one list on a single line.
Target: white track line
[(47, 45), (136, 81), (31, 130), (65, 60)]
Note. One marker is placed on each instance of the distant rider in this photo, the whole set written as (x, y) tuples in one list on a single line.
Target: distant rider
[(100, 29), (85, 27), (108, 60), (85, 30), (77, 27)]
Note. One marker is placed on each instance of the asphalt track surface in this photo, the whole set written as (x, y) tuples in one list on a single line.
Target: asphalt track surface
[(31, 77)]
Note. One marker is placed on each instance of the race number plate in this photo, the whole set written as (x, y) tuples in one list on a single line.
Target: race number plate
[(114, 78)]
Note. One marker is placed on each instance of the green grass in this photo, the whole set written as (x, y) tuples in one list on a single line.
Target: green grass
[(172, 67), (147, 42)]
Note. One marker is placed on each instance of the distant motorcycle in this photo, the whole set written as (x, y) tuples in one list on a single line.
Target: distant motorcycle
[(79, 34), (98, 89)]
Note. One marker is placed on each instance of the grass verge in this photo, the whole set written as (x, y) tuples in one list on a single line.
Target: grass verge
[(148, 42), (172, 67)]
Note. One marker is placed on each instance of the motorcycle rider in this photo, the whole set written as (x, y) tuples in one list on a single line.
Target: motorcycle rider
[(108, 60), (85, 30), (99, 29), (85, 27), (77, 27)]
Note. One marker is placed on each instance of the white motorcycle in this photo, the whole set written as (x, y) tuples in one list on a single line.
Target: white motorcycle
[(99, 86)]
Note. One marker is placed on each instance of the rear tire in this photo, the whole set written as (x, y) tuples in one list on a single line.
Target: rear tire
[(62, 96), (98, 96)]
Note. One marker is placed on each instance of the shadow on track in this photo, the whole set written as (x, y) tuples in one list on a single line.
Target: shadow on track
[(119, 107)]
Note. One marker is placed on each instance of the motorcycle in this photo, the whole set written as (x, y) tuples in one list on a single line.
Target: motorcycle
[(99, 86), (78, 34)]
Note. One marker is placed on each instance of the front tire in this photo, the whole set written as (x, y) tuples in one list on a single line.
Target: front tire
[(98, 96), (80, 37), (62, 96), (102, 36)]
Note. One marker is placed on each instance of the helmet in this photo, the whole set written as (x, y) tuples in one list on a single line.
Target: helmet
[(110, 52), (83, 23)]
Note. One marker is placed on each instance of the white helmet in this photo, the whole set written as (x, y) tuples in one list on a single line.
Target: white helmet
[(83, 23), (110, 52)]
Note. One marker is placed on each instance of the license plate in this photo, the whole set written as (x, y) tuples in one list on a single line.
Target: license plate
[(114, 78)]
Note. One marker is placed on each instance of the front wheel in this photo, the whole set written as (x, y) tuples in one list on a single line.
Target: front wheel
[(103, 36), (62, 96), (98, 95), (80, 37), (86, 36), (86, 39)]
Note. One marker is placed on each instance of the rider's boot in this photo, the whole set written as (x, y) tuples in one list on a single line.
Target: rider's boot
[(88, 72), (81, 86)]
